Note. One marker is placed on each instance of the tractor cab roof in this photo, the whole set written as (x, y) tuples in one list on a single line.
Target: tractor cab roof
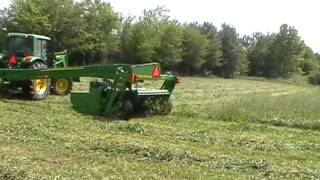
[(28, 35)]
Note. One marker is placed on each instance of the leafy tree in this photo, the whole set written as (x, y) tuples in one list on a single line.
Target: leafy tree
[(234, 60), (29, 16), (195, 49), (126, 51), (284, 53), (170, 49), (317, 55), (214, 55), (98, 39), (153, 38), (258, 52), (65, 20), (308, 62), (144, 37), (6, 20)]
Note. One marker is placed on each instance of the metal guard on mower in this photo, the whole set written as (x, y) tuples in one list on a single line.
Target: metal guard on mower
[(117, 94)]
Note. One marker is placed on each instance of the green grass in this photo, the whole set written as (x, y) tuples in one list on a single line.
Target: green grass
[(243, 128)]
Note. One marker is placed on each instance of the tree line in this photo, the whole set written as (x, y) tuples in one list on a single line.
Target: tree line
[(94, 33)]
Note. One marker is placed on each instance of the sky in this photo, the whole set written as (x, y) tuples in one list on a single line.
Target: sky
[(247, 16)]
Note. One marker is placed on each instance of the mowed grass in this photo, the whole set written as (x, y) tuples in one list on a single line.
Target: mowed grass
[(227, 129)]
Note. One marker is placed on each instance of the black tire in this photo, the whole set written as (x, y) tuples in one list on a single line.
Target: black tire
[(62, 86), (37, 89), (127, 111)]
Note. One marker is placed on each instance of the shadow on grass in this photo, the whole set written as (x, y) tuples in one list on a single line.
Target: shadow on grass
[(6, 96), (114, 118)]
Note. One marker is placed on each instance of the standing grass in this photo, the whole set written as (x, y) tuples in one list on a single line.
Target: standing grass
[(219, 128)]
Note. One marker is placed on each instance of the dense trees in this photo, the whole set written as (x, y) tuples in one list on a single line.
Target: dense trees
[(214, 55), (234, 61), (279, 55), (194, 49), (285, 52), (258, 53), (94, 33)]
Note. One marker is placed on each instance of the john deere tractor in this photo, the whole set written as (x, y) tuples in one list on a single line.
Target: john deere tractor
[(30, 51)]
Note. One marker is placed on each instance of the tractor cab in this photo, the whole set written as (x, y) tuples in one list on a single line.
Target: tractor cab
[(23, 49)]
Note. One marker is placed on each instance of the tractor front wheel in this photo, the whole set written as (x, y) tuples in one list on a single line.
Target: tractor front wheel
[(61, 86), (37, 89)]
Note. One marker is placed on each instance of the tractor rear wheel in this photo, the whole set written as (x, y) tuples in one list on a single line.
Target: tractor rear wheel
[(37, 89), (61, 86)]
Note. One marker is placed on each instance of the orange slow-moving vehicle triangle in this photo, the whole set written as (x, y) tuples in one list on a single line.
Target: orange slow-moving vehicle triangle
[(156, 72), (12, 60)]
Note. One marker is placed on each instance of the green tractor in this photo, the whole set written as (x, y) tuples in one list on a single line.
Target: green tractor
[(30, 51)]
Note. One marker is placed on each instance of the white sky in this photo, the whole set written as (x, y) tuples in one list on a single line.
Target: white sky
[(247, 16)]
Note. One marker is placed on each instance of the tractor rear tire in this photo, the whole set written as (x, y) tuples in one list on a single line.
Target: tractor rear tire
[(37, 89), (62, 86)]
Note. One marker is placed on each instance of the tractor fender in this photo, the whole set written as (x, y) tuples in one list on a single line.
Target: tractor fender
[(32, 59)]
